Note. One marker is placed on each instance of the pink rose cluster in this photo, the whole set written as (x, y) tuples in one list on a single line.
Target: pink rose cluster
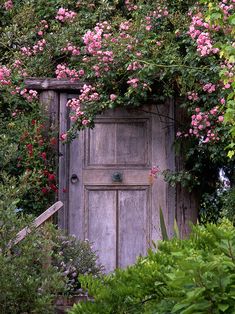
[(29, 95), (155, 171), (228, 69), (227, 7), (5, 74), (93, 40), (209, 88), (75, 51), (63, 72), (134, 66), (8, 5), (193, 96), (198, 31), (130, 5), (133, 82), (124, 26), (88, 94), (96, 47), (38, 47), (43, 26), (64, 15), (156, 14), (203, 124)]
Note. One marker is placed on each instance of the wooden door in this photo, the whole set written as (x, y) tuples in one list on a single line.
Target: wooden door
[(109, 198)]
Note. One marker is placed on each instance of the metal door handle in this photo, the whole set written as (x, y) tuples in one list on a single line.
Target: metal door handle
[(117, 177), (74, 178)]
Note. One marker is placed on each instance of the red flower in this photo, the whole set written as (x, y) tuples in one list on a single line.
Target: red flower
[(53, 141), (33, 122), (44, 190), (44, 155), (53, 187), (40, 142), (29, 147), (51, 177), (46, 172)]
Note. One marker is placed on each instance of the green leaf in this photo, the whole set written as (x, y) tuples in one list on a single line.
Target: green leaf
[(176, 230), (223, 307), (163, 227)]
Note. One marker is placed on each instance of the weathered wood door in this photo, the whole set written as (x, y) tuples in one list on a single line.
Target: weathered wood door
[(109, 198)]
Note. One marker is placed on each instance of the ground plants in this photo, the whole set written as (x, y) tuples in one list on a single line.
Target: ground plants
[(184, 276), (45, 265)]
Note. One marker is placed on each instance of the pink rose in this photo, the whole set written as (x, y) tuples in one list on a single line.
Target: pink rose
[(113, 97)]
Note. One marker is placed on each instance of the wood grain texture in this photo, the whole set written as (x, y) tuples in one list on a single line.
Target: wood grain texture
[(52, 84), (45, 216), (133, 231), (100, 206), (121, 218), (64, 155)]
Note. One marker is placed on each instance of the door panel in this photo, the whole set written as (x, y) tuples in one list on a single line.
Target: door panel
[(118, 142), (133, 225), (120, 217), (100, 215), (101, 148)]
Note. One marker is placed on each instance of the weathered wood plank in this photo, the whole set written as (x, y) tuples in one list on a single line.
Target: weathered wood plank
[(52, 84), (133, 231), (64, 158), (37, 222)]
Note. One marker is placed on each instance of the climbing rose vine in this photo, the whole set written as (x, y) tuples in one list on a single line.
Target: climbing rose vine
[(126, 54)]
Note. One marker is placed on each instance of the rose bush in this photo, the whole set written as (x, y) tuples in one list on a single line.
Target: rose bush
[(129, 53)]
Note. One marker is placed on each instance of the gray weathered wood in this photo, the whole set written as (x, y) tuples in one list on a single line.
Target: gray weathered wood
[(121, 218), (133, 232), (50, 108), (52, 84), (63, 193), (101, 224), (37, 222)]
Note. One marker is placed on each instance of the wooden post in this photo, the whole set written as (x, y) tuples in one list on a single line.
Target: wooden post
[(187, 203)]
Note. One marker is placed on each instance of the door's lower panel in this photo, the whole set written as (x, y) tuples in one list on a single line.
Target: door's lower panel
[(117, 222)]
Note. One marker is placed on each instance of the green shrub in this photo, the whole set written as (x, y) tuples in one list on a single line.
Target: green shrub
[(228, 208), (75, 257), (27, 284), (42, 266), (195, 275)]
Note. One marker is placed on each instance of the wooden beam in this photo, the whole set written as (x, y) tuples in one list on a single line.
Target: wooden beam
[(37, 222), (52, 84)]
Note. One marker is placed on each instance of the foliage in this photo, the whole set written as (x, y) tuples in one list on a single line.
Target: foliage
[(195, 275), (45, 264), (27, 285), (73, 258), (229, 204), (27, 153), (211, 207), (129, 53), (222, 15)]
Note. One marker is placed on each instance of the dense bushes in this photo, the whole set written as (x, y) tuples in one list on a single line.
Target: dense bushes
[(184, 276), (43, 265)]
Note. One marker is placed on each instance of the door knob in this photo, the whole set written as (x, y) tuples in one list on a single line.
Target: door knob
[(117, 177), (74, 178)]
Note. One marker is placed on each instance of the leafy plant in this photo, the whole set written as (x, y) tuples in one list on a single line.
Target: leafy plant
[(27, 283), (189, 276), (73, 258)]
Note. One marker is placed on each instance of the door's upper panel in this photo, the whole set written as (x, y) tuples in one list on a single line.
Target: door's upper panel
[(118, 142)]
